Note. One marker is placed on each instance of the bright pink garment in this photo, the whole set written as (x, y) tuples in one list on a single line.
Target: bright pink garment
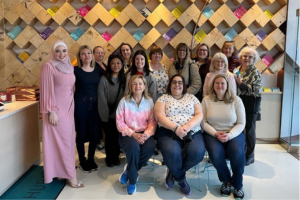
[(56, 94)]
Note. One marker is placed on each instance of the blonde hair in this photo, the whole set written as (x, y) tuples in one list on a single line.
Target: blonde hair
[(129, 93), (217, 56), (229, 96), (249, 50), (92, 64), (187, 56)]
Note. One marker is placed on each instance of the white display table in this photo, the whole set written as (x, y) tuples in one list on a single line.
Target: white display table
[(268, 129), (19, 141)]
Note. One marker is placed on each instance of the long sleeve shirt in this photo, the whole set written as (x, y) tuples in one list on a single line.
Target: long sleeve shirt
[(107, 94), (225, 117), (131, 117)]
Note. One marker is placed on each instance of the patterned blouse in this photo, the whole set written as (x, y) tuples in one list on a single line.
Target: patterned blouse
[(162, 79), (131, 117), (180, 111), (252, 83)]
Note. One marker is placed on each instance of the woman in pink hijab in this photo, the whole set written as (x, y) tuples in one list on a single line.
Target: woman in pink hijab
[(57, 106)]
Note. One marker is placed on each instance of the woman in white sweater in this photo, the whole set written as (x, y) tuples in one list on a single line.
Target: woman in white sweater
[(223, 124), (219, 65)]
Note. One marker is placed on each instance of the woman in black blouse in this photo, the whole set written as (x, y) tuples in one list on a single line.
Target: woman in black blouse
[(86, 112)]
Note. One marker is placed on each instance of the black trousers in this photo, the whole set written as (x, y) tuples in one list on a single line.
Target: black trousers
[(86, 118), (250, 135), (252, 106), (112, 147)]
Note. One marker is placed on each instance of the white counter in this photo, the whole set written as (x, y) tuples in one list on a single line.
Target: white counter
[(268, 129), (19, 141), (18, 106)]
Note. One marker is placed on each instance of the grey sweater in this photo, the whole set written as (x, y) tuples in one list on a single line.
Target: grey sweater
[(195, 83), (107, 94)]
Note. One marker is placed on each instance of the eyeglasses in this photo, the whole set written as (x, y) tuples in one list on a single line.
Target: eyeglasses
[(182, 50), (177, 82), (246, 56), (202, 50)]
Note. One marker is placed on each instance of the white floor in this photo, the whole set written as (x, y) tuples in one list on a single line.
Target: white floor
[(274, 175)]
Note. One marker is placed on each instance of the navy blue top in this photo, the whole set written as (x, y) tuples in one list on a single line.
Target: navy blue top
[(86, 83)]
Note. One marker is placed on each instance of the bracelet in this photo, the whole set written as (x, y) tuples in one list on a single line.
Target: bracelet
[(174, 130)]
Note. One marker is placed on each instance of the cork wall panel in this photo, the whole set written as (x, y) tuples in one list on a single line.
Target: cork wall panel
[(23, 24)]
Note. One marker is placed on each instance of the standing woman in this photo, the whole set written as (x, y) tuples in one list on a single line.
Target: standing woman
[(57, 106), (203, 61), (219, 65), (99, 54), (249, 82), (86, 111), (136, 123), (159, 71), (230, 51), (183, 66), (127, 55), (223, 124), (110, 92), (140, 66)]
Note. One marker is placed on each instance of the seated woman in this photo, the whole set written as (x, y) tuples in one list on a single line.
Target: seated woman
[(136, 124), (223, 124), (179, 137)]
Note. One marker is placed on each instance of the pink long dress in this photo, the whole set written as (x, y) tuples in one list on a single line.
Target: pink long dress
[(58, 141)]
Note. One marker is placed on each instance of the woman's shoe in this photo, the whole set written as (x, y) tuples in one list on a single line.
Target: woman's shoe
[(109, 164), (117, 163), (75, 185)]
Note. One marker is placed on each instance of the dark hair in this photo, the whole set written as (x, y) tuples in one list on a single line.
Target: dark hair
[(108, 73), (130, 47), (197, 49), (133, 69), (155, 49), (184, 90)]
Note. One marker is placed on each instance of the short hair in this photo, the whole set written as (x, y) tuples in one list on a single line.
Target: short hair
[(251, 50), (129, 93), (78, 56), (187, 57), (133, 69), (184, 87), (201, 45), (155, 49), (234, 48), (96, 47), (109, 73), (229, 96), (217, 56)]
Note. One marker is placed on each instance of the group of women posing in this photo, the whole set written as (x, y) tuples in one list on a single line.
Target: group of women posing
[(130, 96)]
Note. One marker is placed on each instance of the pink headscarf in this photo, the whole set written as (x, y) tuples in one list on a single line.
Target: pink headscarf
[(64, 66)]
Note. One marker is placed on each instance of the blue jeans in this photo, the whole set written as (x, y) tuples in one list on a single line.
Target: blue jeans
[(171, 150), (137, 155), (86, 119), (236, 153)]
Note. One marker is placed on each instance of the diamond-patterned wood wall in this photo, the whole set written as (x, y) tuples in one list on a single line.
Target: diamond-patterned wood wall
[(30, 12)]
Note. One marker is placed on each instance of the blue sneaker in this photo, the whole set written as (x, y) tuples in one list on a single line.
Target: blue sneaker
[(185, 188), (124, 177), (169, 182), (131, 189)]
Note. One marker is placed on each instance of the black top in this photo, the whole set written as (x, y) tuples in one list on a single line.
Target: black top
[(101, 69), (86, 83)]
